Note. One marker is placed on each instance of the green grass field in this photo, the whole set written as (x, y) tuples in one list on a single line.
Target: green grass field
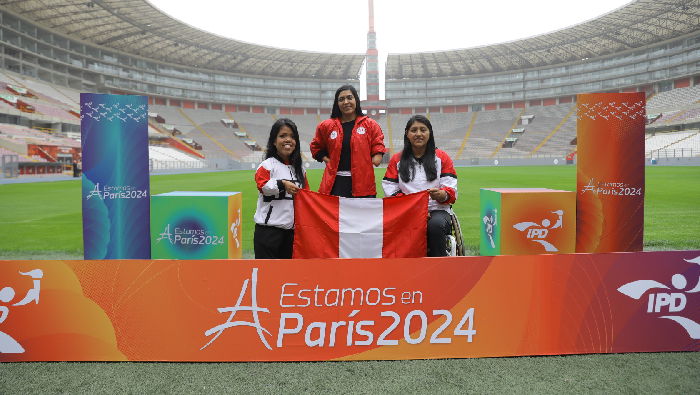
[(43, 221)]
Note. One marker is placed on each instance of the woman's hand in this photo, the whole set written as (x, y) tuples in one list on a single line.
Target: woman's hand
[(377, 159), (438, 195), (290, 187)]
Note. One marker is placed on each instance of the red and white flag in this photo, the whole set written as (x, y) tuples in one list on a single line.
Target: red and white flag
[(334, 227)]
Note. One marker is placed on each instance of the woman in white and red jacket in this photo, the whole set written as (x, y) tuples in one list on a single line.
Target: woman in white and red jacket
[(349, 143), (419, 167), (279, 177)]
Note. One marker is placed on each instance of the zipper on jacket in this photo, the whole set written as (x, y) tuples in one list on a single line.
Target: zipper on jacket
[(269, 213)]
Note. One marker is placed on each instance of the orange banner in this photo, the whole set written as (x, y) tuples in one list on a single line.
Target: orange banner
[(610, 172), (332, 309)]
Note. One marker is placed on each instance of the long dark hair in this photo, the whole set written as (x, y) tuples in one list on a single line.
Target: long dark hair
[(407, 164), (295, 157), (335, 112)]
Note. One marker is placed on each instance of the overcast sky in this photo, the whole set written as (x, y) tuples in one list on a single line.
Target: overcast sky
[(402, 26)]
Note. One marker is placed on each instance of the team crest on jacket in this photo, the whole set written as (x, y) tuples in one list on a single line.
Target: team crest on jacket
[(361, 130), (334, 134)]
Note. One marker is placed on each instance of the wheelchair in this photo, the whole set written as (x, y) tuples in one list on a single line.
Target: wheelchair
[(455, 242)]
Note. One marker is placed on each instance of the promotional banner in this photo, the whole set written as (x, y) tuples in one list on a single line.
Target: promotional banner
[(335, 227), (523, 221), (115, 193), (349, 309), (196, 225), (610, 172)]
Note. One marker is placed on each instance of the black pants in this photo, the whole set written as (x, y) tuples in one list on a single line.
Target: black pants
[(343, 187), (271, 242), (439, 227)]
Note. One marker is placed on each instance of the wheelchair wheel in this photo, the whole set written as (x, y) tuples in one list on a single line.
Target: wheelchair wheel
[(455, 242), (451, 245)]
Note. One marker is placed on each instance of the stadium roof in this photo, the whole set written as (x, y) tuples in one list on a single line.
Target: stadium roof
[(635, 25), (136, 27)]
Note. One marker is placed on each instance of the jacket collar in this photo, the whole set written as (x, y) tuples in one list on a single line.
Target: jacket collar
[(358, 120)]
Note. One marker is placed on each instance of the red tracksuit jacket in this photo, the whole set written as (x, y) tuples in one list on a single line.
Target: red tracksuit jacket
[(367, 140)]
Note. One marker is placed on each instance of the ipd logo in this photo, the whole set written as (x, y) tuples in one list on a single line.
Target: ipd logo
[(672, 301), (537, 232)]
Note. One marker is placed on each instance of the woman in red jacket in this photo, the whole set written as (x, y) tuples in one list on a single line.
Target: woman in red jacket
[(349, 143)]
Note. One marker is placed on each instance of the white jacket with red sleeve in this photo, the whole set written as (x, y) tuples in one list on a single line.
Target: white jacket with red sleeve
[(446, 180), (275, 207)]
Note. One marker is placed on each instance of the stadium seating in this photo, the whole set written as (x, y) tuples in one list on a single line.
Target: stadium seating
[(691, 142), (6, 108), (449, 129), (551, 129), (28, 135), (57, 113), (464, 135), (663, 140), (673, 99), (161, 158), (691, 114), (675, 144), (44, 91), (204, 127), (306, 124), (5, 151), (45, 105)]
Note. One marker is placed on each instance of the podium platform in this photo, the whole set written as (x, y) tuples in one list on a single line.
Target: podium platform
[(519, 221), (196, 225)]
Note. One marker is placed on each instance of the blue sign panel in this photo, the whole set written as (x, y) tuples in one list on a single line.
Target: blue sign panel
[(116, 192)]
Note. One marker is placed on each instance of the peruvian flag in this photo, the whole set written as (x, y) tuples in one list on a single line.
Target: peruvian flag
[(335, 227)]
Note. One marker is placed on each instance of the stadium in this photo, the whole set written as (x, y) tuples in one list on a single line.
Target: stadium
[(506, 114)]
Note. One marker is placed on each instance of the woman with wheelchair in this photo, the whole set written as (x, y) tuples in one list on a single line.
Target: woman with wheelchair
[(421, 166)]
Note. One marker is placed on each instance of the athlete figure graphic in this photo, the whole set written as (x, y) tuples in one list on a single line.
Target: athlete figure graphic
[(9, 345), (490, 221)]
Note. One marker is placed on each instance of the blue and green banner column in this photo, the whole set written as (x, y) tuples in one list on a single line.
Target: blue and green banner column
[(116, 192)]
